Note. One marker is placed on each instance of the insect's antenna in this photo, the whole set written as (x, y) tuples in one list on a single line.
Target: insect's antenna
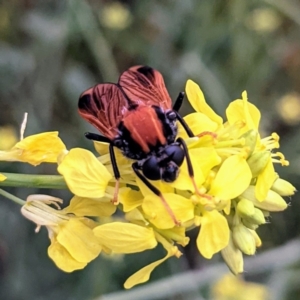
[(176, 108), (184, 125), (178, 102), (156, 191), (97, 137)]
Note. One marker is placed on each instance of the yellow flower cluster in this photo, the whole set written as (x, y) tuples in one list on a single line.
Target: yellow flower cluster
[(233, 190)]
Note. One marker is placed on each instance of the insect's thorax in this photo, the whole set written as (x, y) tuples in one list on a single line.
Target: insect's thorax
[(145, 130)]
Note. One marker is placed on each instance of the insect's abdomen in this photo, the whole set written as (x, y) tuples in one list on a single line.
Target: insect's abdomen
[(145, 128)]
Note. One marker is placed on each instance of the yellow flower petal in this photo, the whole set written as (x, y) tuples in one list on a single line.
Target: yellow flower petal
[(204, 158), (101, 148), (35, 149), (198, 123), (125, 237), (200, 165), (143, 274), (159, 184), (198, 102), (82, 207), (130, 199), (233, 287), (176, 234), (242, 110), (136, 216), (265, 181), (154, 208), (8, 137), (232, 179), (84, 174), (63, 259), (2, 177), (184, 181), (79, 240), (214, 233)]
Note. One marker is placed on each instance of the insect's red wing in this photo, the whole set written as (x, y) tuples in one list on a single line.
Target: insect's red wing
[(144, 84), (103, 106)]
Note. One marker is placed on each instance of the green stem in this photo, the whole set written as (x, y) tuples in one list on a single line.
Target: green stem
[(12, 197), (35, 181)]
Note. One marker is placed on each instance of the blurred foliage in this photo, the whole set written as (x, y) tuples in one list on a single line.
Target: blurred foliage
[(50, 51)]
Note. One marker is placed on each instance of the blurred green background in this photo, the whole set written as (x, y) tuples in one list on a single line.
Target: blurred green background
[(51, 51)]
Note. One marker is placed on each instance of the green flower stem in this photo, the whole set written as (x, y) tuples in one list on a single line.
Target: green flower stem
[(12, 197), (37, 181)]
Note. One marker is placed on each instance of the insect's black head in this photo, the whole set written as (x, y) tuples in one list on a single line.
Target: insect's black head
[(164, 166)]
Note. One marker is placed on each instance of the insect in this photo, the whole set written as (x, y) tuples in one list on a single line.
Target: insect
[(136, 116)]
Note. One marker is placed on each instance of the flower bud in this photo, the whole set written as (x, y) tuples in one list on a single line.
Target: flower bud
[(245, 208), (258, 161), (257, 218), (233, 257), (266, 213), (244, 239), (250, 139), (283, 187), (249, 224), (257, 239), (273, 201)]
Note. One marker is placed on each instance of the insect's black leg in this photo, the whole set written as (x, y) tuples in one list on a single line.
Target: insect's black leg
[(187, 156), (156, 191), (114, 162), (101, 138), (190, 167), (178, 102)]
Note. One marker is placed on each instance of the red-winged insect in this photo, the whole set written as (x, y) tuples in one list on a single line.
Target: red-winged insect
[(136, 116)]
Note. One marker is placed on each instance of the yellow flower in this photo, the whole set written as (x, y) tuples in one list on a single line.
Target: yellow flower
[(239, 186), (35, 149), (233, 287), (8, 137), (73, 243), (242, 111), (2, 177)]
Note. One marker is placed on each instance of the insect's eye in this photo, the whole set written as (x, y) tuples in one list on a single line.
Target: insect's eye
[(175, 153), (118, 143), (171, 115), (151, 168)]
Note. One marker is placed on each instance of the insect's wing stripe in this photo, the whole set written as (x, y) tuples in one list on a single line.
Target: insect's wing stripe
[(146, 85), (102, 107)]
